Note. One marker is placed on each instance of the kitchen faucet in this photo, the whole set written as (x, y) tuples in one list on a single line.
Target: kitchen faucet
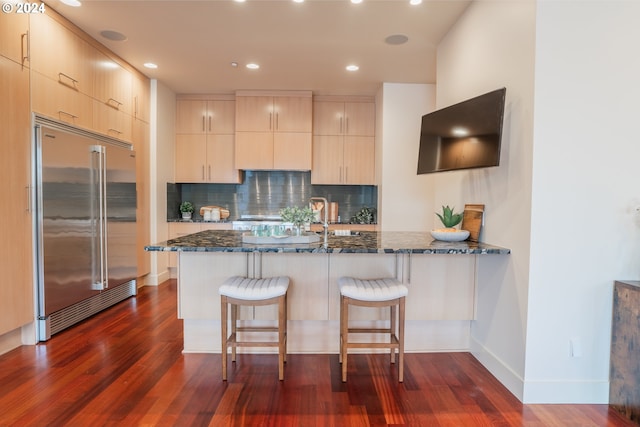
[(325, 209)]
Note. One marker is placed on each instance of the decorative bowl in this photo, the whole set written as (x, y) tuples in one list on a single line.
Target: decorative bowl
[(450, 236)]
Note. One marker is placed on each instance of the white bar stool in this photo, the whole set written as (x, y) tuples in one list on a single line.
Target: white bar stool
[(373, 293), (241, 291)]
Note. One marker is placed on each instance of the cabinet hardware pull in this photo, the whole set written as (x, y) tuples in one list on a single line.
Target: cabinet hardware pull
[(346, 125), (115, 130), (67, 114), (277, 126), (28, 198), (114, 103), (135, 106), (203, 125), (270, 121), (209, 123), (26, 57), (209, 179), (72, 85), (341, 125), (203, 172)]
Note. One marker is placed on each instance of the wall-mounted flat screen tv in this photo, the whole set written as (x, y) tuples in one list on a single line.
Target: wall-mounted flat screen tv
[(466, 135)]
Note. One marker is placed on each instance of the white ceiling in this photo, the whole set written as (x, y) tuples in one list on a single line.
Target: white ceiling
[(299, 46)]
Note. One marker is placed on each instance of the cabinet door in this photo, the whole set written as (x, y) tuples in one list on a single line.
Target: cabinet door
[(141, 97), (327, 160), (16, 292), (254, 150), (59, 54), (112, 83), (220, 160), (191, 116), (14, 33), (61, 102), (143, 211), (110, 121), (190, 158), (328, 118), (292, 114), (292, 151), (359, 160), (254, 113), (221, 117), (360, 118)]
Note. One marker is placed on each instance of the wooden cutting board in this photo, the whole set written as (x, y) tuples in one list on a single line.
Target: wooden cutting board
[(224, 212), (472, 220)]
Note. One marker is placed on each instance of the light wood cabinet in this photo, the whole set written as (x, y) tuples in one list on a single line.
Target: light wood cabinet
[(343, 160), (60, 54), (205, 141), (141, 97), (273, 132), (16, 291), (112, 85), (14, 37), (60, 102), (343, 142), (111, 121), (143, 208)]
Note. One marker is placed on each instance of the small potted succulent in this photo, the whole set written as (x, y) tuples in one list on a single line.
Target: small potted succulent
[(449, 233), (297, 216), (186, 208)]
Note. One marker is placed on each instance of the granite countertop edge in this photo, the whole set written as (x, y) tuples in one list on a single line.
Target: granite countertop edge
[(372, 242)]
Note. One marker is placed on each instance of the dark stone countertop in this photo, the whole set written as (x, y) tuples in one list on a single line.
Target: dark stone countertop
[(364, 242)]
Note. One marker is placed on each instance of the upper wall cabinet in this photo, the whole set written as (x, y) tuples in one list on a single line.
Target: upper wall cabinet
[(205, 142), (60, 54), (273, 130), (112, 83), (14, 37), (197, 116), (344, 118)]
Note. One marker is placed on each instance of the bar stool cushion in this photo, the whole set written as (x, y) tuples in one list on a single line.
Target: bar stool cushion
[(254, 289), (372, 289)]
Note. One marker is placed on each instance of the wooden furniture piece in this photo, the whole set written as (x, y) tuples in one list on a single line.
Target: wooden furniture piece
[(624, 388), (373, 293), (273, 130), (472, 219), (242, 291), (343, 140)]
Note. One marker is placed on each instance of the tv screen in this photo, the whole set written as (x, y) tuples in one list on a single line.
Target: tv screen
[(466, 135)]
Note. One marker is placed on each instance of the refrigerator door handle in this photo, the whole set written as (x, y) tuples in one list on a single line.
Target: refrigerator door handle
[(99, 165)]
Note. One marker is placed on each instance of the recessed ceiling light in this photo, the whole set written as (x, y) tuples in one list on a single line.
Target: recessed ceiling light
[(234, 64), (356, 1), (352, 67), (72, 3), (415, 2), (298, 1), (396, 39), (252, 66), (113, 35), (150, 65), (239, 1), (460, 131)]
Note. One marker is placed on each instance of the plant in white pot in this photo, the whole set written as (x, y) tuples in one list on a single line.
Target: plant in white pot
[(449, 233), (297, 216), (186, 208)]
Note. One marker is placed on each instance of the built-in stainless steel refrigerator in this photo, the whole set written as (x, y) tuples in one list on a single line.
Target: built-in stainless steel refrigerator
[(86, 224)]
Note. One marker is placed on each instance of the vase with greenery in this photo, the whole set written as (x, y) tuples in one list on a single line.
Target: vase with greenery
[(186, 208), (297, 216)]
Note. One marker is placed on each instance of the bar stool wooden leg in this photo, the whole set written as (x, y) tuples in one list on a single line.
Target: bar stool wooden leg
[(344, 334), (234, 329), (223, 334), (401, 339), (282, 319), (392, 330)]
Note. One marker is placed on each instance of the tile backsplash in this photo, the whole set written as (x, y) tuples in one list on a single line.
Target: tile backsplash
[(266, 192)]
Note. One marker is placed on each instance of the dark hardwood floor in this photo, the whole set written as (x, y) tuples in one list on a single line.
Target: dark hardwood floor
[(124, 367)]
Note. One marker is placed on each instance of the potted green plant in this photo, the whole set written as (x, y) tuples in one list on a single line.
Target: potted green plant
[(448, 218), (186, 208), (297, 216)]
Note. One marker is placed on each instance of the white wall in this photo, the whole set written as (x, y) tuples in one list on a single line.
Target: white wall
[(585, 192), (404, 198), (492, 46), (163, 114), (565, 198)]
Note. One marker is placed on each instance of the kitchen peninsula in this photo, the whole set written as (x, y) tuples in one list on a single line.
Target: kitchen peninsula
[(441, 277)]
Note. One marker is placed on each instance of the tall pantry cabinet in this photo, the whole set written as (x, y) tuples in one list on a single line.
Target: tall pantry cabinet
[(16, 282)]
